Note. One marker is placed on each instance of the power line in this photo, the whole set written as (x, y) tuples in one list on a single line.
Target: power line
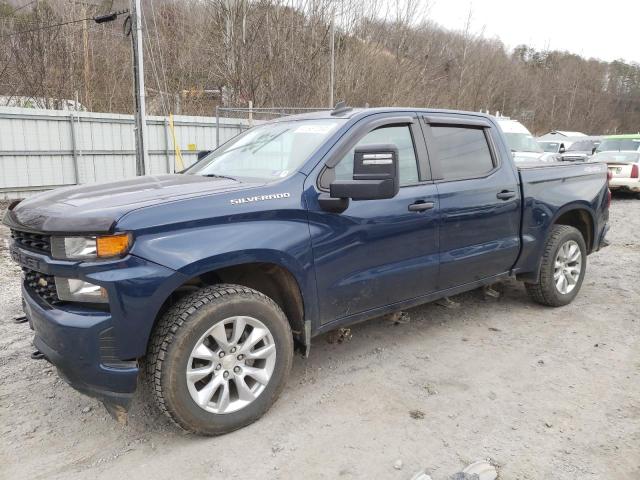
[(154, 68), (155, 28), (96, 19), (19, 8)]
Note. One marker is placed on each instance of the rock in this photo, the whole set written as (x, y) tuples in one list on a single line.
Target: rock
[(494, 329), (464, 476), (480, 470), (339, 336), (548, 424), (446, 302), (416, 414), (492, 395), (431, 390), (398, 318), (86, 409), (398, 464), (490, 292), (540, 362), (421, 475)]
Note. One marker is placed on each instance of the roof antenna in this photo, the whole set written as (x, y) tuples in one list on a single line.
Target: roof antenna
[(340, 108)]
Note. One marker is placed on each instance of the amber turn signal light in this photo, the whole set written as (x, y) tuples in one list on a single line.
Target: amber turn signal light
[(112, 245)]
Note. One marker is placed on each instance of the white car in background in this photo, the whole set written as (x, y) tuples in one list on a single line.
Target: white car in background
[(624, 167), (524, 146)]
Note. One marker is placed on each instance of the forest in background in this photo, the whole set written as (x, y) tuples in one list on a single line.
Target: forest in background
[(276, 53)]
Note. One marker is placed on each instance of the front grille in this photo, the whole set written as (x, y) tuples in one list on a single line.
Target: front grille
[(36, 242), (42, 285)]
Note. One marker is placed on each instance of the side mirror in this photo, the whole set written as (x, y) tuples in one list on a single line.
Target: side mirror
[(375, 174), (562, 149)]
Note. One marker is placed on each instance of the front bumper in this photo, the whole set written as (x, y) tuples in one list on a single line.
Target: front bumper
[(96, 350), (74, 341)]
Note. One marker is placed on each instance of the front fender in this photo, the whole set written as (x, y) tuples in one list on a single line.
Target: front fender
[(195, 251)]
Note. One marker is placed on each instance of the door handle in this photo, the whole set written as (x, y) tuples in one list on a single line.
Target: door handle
[(421, 206), (506, 194)]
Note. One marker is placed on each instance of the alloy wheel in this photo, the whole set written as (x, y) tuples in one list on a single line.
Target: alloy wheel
[(231, 364)]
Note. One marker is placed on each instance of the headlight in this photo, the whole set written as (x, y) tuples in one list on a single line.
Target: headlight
[(74, 290), (86, 248)]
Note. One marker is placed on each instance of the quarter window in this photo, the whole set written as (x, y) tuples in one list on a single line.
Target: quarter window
[(400, 136), (463, 152)]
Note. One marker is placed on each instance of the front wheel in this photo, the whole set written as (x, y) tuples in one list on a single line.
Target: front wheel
[(219, 359), (564, 262)]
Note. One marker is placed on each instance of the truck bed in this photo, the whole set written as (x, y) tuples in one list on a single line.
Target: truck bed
[(549, 189)]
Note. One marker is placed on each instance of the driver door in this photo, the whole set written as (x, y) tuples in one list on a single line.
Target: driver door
[(376, 252)]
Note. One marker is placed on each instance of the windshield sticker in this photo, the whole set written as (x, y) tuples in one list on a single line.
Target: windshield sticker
[(259, 198), (314, 128)]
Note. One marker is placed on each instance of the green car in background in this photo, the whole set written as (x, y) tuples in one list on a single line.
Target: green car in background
[(619, 143)]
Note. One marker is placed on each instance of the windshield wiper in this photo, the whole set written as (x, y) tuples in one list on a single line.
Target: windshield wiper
[(215, 175)]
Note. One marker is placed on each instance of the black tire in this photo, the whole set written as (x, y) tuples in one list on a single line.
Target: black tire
[(545, 291), (177, 333)]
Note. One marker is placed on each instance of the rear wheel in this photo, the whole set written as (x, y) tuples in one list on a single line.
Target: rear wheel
[(219, 359), (563, 266)]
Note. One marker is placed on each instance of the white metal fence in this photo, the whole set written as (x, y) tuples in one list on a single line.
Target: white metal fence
[(44, 149)]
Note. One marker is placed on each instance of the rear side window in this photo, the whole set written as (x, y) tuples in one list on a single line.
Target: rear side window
[(463, 152)]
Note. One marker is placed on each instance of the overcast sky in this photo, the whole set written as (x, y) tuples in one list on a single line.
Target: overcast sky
[(607, 30)]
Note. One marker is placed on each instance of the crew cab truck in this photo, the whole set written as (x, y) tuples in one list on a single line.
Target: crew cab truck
[(205, 282)]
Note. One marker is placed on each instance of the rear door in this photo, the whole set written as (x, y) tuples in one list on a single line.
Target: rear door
[(376, 252), (479, 199)]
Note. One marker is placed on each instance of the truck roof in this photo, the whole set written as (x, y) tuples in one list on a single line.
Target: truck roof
[(352, 113)]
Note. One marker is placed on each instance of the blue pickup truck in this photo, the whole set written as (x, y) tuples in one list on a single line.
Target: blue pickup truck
[(204, 283)]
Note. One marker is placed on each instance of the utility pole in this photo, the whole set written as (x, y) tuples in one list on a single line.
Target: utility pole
[(87, 74), (142, 155), (333, 59)]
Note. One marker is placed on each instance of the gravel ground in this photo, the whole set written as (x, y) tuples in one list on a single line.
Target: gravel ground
[(543, 393)]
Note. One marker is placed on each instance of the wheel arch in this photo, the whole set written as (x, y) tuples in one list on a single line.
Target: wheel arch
[(274, 279), (580, 217)]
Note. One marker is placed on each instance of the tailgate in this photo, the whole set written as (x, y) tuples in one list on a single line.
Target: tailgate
[(620, 169)]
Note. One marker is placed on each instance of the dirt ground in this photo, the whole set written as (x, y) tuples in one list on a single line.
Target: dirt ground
[(543, 393)]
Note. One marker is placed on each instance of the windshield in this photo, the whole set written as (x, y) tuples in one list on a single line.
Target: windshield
[(552, 147), (522, 142), (582, 146), (267, 152), (618, 144)]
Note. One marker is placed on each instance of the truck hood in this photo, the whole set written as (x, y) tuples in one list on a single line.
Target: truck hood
[(95, 208)]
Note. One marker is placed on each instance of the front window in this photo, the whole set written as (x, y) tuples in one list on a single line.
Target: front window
[(522, 142), (550, 147), (267, 152), (400, 136), (619, 144)]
